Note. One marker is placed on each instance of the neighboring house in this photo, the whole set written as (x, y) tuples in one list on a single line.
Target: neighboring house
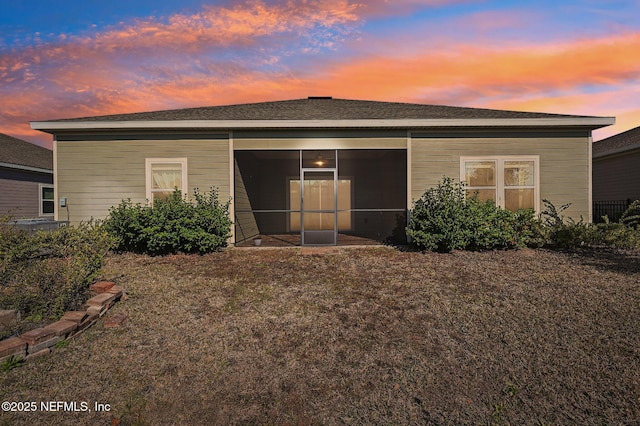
[(616, 167), (616, 173), (361, 163), (26, 179)]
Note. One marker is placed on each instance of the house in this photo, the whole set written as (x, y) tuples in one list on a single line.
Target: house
[(322, 170), (616, 167), (26, 179), (616, 173)]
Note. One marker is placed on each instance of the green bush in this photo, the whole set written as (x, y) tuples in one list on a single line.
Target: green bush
[(631, 216), (572, 234), (48, 272), (171, 225), (446, 219), (616, 235)]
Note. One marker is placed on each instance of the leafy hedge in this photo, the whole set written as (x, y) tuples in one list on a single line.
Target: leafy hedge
[(46, 273), (171, 225), (446, 219), (568, 233)]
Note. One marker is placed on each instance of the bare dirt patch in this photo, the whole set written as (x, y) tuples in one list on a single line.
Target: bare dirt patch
[(355, 336)]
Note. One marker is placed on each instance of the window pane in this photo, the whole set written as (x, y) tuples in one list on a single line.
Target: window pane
[(327, 196), (47, 207), (47, 193), (344, 203), (294, 194), (344, 221), (319, 191), (294, 204), (480, 173), (519, 173), (319, 221), (344, 194), (516, 199), (166, 176), (483, 194), (160, 195), (294, 221)]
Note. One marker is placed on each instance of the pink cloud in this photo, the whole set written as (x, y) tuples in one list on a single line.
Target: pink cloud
[(150, 64), (479, 74), (621, 102), (222, 26)]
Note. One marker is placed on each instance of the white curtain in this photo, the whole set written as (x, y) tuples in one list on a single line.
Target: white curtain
[(167, 176)]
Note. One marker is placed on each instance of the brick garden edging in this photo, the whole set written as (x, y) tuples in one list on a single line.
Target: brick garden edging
[(38, 342)]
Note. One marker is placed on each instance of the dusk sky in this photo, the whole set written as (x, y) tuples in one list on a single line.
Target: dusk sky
[(76, 58)]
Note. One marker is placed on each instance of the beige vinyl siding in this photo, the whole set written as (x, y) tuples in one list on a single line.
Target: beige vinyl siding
[(320, 143), (96, 175), (564, 164), (19, 199)]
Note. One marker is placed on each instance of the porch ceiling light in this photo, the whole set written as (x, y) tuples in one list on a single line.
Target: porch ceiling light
[(319, 161)]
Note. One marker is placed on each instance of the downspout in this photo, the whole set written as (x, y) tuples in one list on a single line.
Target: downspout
[(590, 162), (232, 191)]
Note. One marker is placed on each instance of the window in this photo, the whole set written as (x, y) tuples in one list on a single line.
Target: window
[(164, 175), (47, 200), (510, 182), (320, 197)]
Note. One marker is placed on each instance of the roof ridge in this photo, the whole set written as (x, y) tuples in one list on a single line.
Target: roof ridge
[(624, 141), (318, 108)]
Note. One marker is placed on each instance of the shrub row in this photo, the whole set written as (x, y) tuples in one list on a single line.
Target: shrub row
[(171, 225), (562, 233), (46, 273), (445, 218)]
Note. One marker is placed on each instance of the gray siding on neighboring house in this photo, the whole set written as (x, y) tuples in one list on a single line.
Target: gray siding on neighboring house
[(20, 192), (564, 164), (617, 177), (96, 175), (23, 166), (20, 199)]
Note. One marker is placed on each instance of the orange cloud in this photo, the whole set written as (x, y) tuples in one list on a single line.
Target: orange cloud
[(222, 55), (490, 71), (621, 102), (219, 26), (113, 71), (208, 31)]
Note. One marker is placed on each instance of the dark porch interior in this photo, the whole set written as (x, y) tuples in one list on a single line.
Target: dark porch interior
[(267, 203)]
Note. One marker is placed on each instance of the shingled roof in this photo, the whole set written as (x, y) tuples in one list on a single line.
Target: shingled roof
[(318, 108), (16, 152), (621, 142)]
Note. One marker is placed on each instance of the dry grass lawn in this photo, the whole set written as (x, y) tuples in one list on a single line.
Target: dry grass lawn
[(359, 336)]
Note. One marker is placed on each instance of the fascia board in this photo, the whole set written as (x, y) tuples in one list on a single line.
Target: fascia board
[(626, 149), (26, 168), (593, 122)]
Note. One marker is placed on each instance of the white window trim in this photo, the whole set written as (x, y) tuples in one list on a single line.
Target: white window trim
[(147, 172), (41, 200), (500, 160)]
